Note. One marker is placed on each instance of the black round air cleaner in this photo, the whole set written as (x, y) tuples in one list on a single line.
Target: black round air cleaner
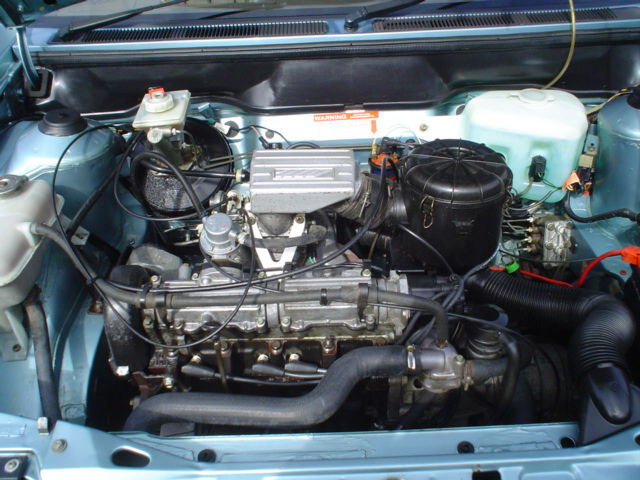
[(454, 192)]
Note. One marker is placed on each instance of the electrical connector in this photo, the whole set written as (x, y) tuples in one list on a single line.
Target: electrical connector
[(537, 168), (631, 255), (513, 267)]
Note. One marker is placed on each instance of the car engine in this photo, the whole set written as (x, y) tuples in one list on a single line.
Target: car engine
[(332, 271)]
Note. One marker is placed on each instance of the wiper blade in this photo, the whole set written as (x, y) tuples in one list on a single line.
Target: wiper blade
[(94, 23), (364, 13)]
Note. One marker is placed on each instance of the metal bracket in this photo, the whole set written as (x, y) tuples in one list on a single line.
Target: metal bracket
[(267, 260)]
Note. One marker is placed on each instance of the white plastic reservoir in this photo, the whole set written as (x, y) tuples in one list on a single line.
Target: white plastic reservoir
[(522, 124)]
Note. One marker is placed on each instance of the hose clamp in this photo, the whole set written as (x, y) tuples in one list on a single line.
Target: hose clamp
[(324, 301), (412, 363), (142, 297)]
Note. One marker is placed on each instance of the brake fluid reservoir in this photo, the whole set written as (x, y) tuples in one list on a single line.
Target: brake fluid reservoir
[(523, 124), (162, 114)]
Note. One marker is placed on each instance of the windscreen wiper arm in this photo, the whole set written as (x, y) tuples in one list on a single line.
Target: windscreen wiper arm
[(98, 22), (363, 13)]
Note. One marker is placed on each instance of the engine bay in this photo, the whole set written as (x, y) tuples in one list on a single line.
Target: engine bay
[(469, 264)]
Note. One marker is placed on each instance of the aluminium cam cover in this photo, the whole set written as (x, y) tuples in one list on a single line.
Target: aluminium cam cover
[(301, 181)]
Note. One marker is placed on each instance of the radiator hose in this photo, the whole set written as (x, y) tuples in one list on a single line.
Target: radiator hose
[(603, 330), (283, 412)]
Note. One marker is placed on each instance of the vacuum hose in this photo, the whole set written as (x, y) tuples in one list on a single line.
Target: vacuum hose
[(619, 213), (282, 412), (603, 330), (44, 364)]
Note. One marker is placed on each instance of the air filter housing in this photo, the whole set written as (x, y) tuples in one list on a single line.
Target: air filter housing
[(454, 192)]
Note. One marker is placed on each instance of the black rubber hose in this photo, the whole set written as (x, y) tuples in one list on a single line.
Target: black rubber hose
[(44, 364), (316, 234), (441, 326), (83, 267), (603, 331), (272, 412), (619, 213), (510, 377), (187, 173), (186, 185), (483, 370)]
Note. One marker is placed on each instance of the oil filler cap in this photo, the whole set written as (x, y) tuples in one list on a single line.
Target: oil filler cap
[(62, 122)]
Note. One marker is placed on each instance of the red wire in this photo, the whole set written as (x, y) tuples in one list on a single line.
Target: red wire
[(535, 275), (592, 264), (630, 252), (546, 279)]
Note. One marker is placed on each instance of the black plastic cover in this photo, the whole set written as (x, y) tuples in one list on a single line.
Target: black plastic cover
[(454, 192), (62, 122), (456, 171)]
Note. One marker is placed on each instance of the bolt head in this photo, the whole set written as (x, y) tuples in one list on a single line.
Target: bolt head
[(366, 272), (294, 357), (262, 358), (167, 382), (12, 465), (423, 127), (59, 445)]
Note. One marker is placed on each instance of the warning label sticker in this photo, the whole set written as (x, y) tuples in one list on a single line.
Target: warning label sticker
[(340, 124), (336, 117)]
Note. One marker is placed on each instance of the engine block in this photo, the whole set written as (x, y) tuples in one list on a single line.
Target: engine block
[(295, 320)]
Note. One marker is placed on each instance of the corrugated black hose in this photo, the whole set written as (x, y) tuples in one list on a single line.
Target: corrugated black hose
[(602, 329)]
